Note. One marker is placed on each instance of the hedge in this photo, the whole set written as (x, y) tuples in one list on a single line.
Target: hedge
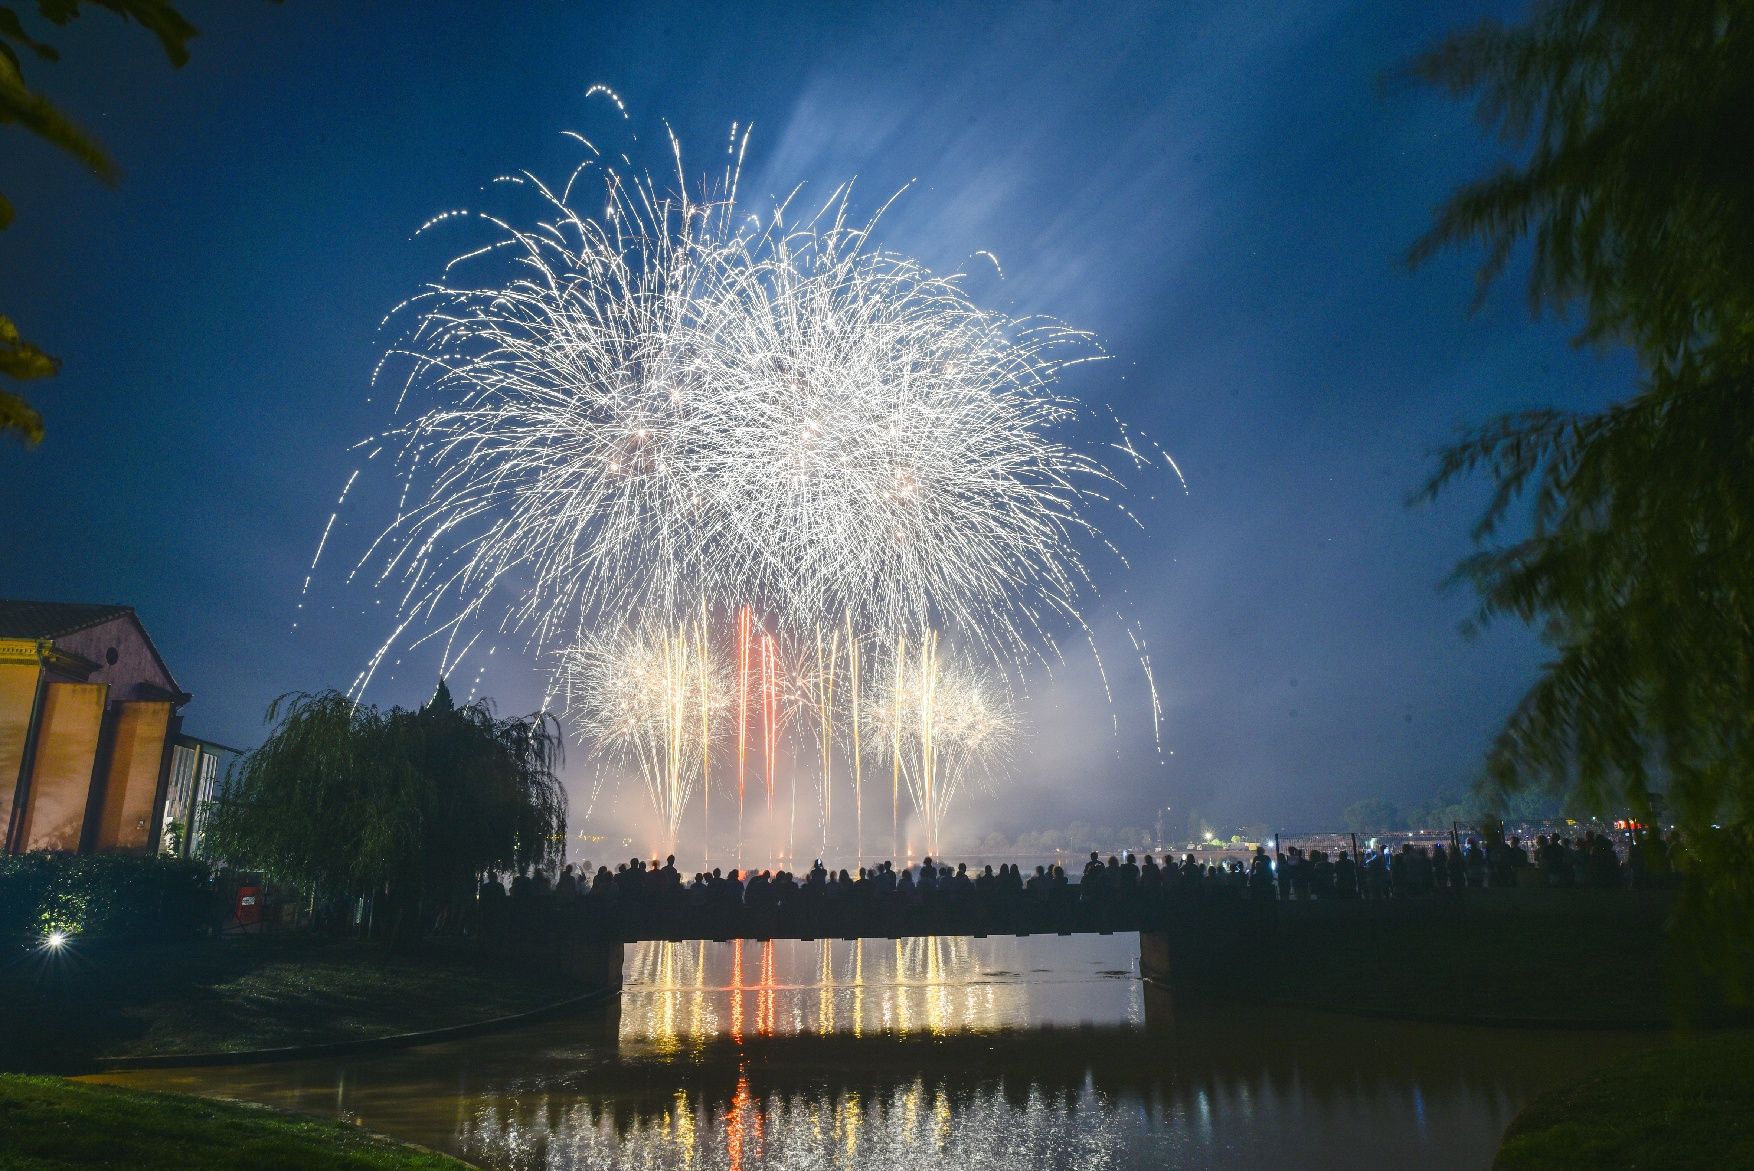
[(103, 895)]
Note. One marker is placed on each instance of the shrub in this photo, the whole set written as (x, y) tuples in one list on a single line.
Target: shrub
[(108, 895)]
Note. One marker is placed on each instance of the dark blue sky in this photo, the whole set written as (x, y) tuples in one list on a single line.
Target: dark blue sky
[(1222, 192)]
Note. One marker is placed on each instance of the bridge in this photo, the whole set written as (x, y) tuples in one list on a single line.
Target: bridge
[(1180, 932)]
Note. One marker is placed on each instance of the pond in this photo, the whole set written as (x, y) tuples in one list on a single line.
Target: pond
[(970, 1053)]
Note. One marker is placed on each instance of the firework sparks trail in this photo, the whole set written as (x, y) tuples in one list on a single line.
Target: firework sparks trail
[(706, 694), (945, 723), (858, 752), (819, 694), (770, 715), (895, 752), (638, 694)]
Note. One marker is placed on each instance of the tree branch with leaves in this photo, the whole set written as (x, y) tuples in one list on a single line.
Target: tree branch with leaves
[(31, 112), (1634, 198)]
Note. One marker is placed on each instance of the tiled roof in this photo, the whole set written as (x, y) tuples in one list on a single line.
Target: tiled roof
[(20, 619)]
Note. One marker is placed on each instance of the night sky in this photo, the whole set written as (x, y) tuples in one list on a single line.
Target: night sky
[(1222, 193)]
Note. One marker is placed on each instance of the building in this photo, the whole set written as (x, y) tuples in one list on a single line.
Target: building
[(90, 735), (197, 777)]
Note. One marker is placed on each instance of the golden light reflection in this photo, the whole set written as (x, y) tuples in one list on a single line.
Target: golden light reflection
[(849, 1114), (737, 991), (859, 988), (825, 1014), (666, 1029), (938, 993), (682, 1131), (689, 993), (878, 1128), (903, 1018), (764, 1001), (942, 1119), (698, 1027)]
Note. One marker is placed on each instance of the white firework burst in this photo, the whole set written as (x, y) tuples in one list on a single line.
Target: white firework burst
[(891, 449), (659, 405)]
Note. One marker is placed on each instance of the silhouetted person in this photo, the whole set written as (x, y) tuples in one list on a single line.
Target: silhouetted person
[(1474, 863), (1260, 875), (1345, 877)]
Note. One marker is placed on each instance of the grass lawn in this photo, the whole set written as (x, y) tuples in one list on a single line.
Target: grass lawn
[(59, 1011), (1688, 1104), (47, 1124)]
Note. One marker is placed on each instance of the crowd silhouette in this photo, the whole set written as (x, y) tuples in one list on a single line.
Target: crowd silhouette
[(640, 899)]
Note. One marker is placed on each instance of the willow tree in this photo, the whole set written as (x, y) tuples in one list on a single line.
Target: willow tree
[(412, 804), (1626, 535)]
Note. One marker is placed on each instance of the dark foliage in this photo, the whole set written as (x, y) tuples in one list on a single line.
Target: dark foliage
[(1637, 186), (1635, 190), (345, 797), (108, 895)]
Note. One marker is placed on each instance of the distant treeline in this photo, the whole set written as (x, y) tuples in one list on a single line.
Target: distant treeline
[(1371, 815), (1442, 810), (1081, 837)]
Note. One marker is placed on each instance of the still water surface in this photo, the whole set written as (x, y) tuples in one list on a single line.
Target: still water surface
[(960, 1054)]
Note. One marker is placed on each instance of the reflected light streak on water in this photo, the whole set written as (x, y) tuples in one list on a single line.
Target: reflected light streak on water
[(979, 1055), (681, 995)]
